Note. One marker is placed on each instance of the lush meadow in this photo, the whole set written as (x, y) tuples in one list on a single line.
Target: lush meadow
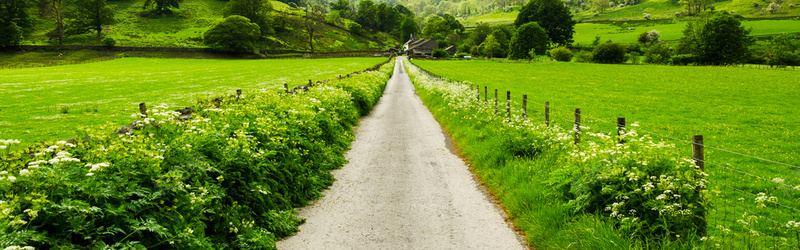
[(227, 178), (51, 103), (751, 202)]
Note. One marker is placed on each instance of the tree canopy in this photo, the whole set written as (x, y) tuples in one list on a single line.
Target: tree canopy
[(551, 15), (161, 6), (255, 10), (529, 36), (720, 40), (234, 33), (88, 15)]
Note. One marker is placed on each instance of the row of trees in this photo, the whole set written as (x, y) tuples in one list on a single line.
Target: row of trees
[(70, 16)]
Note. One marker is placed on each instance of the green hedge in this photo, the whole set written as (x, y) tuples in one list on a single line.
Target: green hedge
[(228, 178)]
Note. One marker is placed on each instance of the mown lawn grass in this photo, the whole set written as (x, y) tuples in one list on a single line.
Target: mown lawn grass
[(750, 111), (51, 103)]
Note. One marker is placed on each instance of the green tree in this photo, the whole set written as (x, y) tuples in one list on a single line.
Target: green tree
[(600, 5), (552, 15), (408, 27), (720, 40), (529, 36), (490, 46), (609, 52), (56, 9), (16, 11), (436, 26), (453, 23), (10, 34), (344, 8), (255, 10), (89, 15), (233, 33), (161, 6)]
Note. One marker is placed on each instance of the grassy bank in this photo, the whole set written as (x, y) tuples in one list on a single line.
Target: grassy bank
[(750, 202), (51, 103)]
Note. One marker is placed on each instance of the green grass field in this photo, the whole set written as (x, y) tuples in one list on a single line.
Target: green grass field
[(51, 103), (750, 111), (585, 33)]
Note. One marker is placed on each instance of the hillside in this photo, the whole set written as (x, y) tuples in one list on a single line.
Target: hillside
[(186, 25)]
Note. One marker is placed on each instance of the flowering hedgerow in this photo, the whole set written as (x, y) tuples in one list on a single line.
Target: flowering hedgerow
[(645, 186), (228, 178)]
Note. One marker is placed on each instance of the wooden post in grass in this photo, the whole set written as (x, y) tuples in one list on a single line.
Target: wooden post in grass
[(508, 104), (577, 126), (470, 87), (524, 107), (699, 160), (547, 113), (478, 94), (143, 109), (495, 101), (238, 94), (310, 83), (286, 87), (485, 94), (621, 128)]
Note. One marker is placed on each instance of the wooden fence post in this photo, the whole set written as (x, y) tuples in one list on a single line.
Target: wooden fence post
[(508, 104), (699, 160), (478, 94), (310, 83), (524, 107), (577, 126), (470, 86), (238, 94), (286, 87), (485, 94), (495, 101), (547, 113), (143, 109), (620, 128)]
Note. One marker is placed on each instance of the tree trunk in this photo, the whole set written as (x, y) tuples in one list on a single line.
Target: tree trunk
[(99, 29)]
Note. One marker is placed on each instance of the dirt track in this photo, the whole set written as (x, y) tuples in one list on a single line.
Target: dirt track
[(403, 189)]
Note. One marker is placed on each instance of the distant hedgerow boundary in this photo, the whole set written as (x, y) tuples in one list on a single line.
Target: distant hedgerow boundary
[(229, 177)]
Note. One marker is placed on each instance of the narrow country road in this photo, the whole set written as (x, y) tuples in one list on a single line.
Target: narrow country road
[(403, 188)]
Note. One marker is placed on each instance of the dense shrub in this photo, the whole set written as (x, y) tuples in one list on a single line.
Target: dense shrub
[(609, 52), (109, 42), (529, 36), (10, 34), (228, 178), (355, 28), (658, 54), (440, 53), (561, 54), (233, 33), (583, 56), (683, 59)]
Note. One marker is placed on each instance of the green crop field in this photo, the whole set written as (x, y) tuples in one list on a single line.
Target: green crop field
[(747, 111), (585, 33), (51, 103)]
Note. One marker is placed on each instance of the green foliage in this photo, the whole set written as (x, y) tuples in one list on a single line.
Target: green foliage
[(440, 53), (255, 10), (16, 11), (407, 28), (233, 33), (355, 28), (10, 34), (88, 15), (583, 56), (561, 54), (109, 42), (436, 28), (694, 7), (490, 46), (720, 40), (161, 6), (658, 54), (230, 177), (552, 15), (529, 36), (609, 52)]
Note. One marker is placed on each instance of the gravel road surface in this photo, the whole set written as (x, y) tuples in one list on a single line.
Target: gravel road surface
[(403, 188)]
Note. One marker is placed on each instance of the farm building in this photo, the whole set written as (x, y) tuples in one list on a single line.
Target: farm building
[(419, 47)]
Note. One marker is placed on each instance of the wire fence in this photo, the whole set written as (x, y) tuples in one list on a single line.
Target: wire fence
[(786, 212)]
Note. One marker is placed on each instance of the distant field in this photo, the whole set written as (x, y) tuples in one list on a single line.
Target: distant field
[(751, 111), (492, 18), (585, 33), (51, 103)]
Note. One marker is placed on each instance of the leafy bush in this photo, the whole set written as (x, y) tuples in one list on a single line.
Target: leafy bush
[(609, 52), (561, 54), (227, 178), (634, 57), (355, 28), (529, 36), (233, 33), (658, 54), (440, 53), (583, 56), (10, 34), (683, 59), (109, 42)]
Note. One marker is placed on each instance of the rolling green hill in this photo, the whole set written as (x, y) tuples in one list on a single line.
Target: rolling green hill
[(186, 25)]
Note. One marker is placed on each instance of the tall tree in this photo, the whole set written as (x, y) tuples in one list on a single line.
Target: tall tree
[(233, 33), (552, 15), (529, 36), (311, 25), (10, 34), (343, 7), (255, 10), (408, 27), (88, 15), (721, 40), (161, 6), (55, 9), (16, 11), (694, 7)]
